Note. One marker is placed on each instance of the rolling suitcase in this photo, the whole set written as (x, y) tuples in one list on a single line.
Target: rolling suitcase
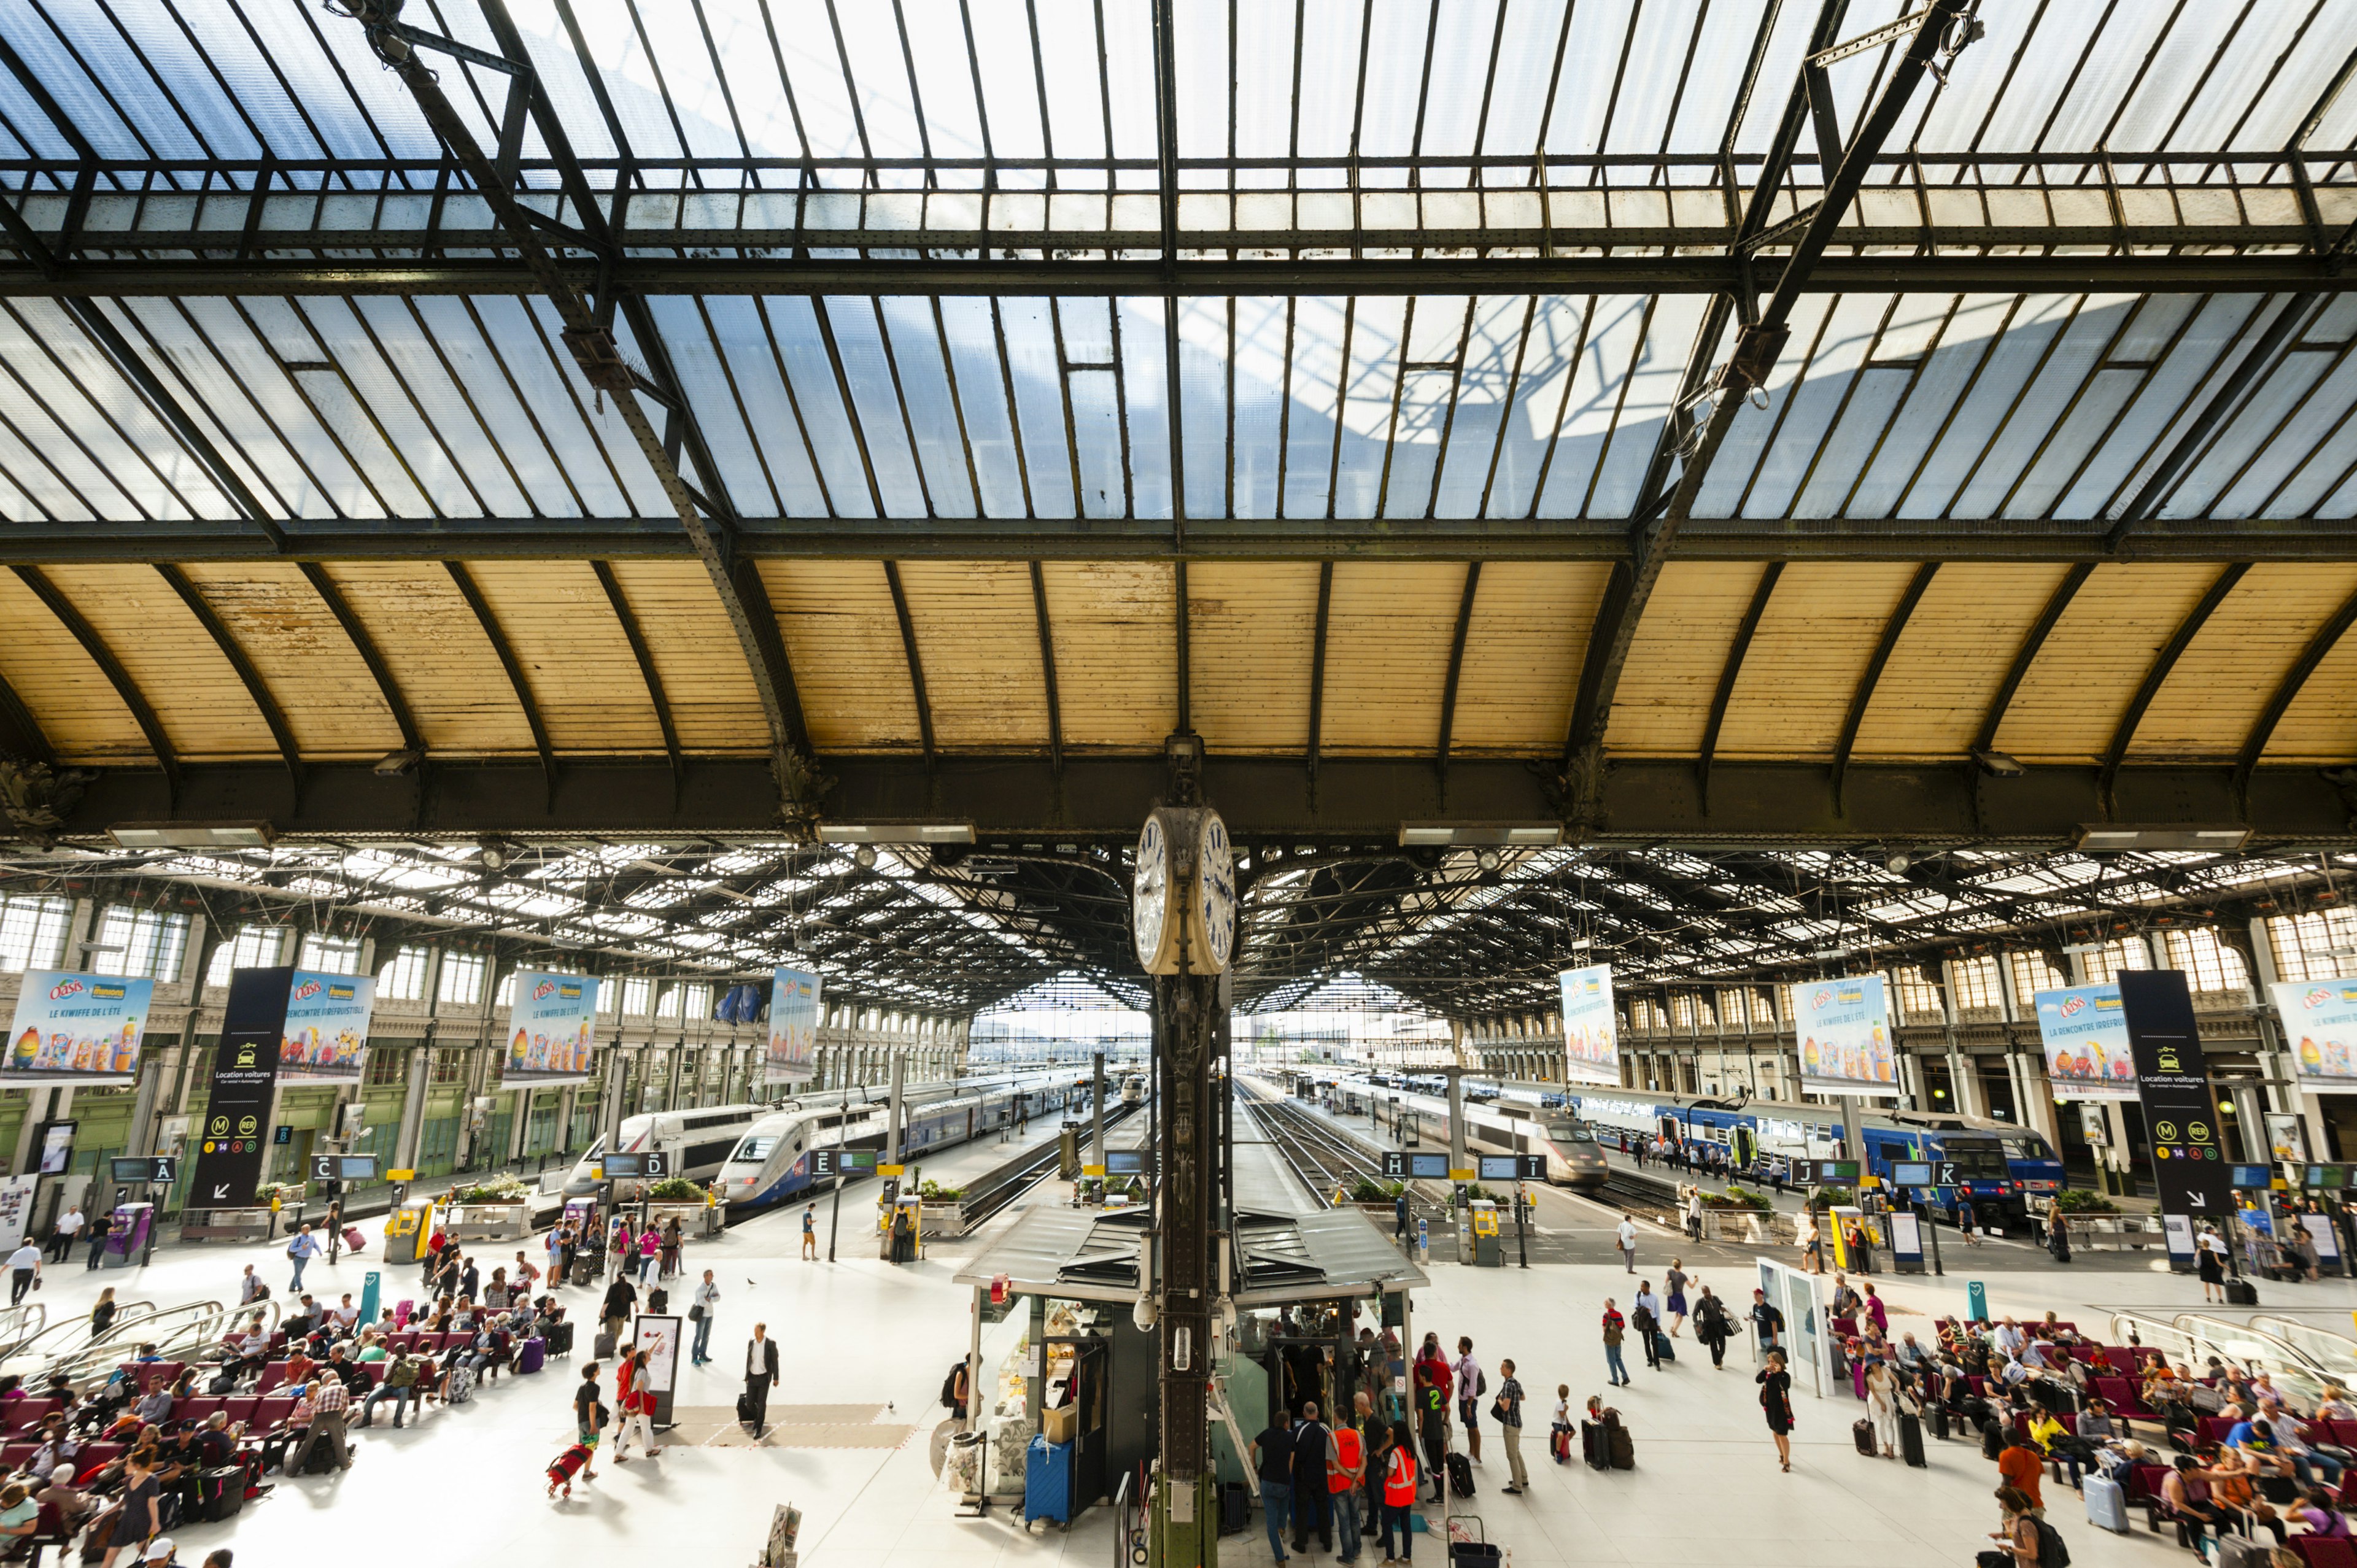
[(560, 1339), (1596, 1450), (462, 1385), (1940, 1421), (2107, 1505), (1861, 1432), (354, 1241), (1911, 1443), (1559, 1444), (2242, 1552), (1662, 1348), (220, 1493), (1992, 1439), (403, 1310), (533, 1355), (1460, 1475), (1235, 1509), (602, 1346), (2240, 1294), (658, 1301)]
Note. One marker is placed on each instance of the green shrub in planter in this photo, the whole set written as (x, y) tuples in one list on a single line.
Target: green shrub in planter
[(676, 1189), (1740, 1198), (497, 1189), (1833, 1196), (1370, 1190), (2071, 1200), (934, 1192)]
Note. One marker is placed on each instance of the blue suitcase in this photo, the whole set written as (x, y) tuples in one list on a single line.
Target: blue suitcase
[(1048, 1481), (2107, 1506), (532, 1353)]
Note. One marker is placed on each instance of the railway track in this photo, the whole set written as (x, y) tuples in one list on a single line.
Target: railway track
[(988, 1197), (1322, 1156)]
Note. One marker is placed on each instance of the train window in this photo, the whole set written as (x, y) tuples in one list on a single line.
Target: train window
[(2027, 1148), (1570, 1132), (756, 1148), (1976, 1159)]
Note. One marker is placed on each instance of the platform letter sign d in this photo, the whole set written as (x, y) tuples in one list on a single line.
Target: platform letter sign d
[(2190, 1159)]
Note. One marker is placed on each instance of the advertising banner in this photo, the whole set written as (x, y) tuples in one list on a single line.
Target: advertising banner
[(794, 1027), (551, 1030), (17, 1209), (2086, 1037), (2319, 1024), (76, 1028), (1844, 1030), (2190, 1164), (659, 1337), (1591, 1043), (327, 1027), (244, 1082)]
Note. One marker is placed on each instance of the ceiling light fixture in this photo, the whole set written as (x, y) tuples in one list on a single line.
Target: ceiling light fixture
[(1997, 764), (191, 835), (896, 832), (2220, 837), (1470, 835)]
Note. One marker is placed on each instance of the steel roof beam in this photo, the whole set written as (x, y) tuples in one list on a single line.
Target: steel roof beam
[(518, 681), (2328, 637), (258, 689), (2158, 672), (1728, 673), (1892, 628), (143, 712), (629, 621)]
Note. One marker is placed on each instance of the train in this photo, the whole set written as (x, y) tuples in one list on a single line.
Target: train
[(699, 1141), (1574, 1158), (1132, 1089), (771, 1162)]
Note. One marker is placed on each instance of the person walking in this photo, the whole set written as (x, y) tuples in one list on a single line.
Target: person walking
[(1626, 1237), (24, 1270), (1312, 1503), (1399, 1496), (1645, 1320), (1674, 1286), (102, 1317), (1399, 1214), (1767, 1318), (700, 1307), (760, 1376), (2057, 1233), (1861, 1247), (1776, 1403), (300, 1250), (634, 1406), (1812, 1243), (1346, 1478), (1882, 1408), (673, 1238), (810, 1233), (1432, 1415), (1711, 1327), (1615, 1328), (61, 1235), (589, 1415), (1271, 1455), (1508, 1409), (100, 1228)]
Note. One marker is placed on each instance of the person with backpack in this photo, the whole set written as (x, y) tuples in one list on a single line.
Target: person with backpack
[(1615, 1328), (2023, 1536), (1645, 1318), (1346, 1472), (954, 1391), (1432, 1418), (1471, 1384)]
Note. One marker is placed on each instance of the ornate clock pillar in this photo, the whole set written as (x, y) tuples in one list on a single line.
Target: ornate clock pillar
[(1184, 918)]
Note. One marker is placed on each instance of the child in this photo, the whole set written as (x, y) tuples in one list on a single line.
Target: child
[(573, 1460), (1559, 1434)]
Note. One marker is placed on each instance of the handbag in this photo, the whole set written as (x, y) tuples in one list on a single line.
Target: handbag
[(1499, 1413), (696, 1313)]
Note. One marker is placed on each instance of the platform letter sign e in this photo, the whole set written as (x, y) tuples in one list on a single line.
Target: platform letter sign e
[(2190, 1159), (244, 1077)]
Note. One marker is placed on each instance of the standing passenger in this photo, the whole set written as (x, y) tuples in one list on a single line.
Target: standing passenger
[(1508, 1413), (1776, 1403)]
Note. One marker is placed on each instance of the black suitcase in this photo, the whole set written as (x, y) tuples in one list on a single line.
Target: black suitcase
[(1236, 1507), (1992, 1438), (1861, 1433), (1623, 1451), (220, 1493), (2240, 1294), (1593, 1446), (658, 1301), (602, 1346), (560, 1339), (1662, 1348), (1939, 1421), (1911, 1443), (1460, 1475)]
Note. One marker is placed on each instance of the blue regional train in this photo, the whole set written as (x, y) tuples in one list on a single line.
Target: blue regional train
[(1992, 1167)]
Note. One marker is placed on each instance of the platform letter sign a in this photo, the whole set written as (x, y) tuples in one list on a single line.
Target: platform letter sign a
[(2190, 1160), (245, 1074)]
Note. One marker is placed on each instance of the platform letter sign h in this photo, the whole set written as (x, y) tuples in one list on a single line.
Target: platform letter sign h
[(2190, 1161)]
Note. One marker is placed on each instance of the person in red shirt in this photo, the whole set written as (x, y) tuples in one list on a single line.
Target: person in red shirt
[(634, 1406), (2022, 1468)]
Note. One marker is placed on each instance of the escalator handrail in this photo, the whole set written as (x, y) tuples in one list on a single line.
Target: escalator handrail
[(2323, 1334), (2301, 1360)]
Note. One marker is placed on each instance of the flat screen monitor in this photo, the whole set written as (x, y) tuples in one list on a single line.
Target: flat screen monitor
[(2254, 1175), (624, 1166), (1911, 1173), (1124, 1162), (356, 1167), (1500, 1168), (1428, 1167)]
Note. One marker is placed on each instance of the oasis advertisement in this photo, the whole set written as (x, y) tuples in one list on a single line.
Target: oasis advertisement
[(2086, 1037), (76, 1028), (2319, 1024), (327, 1027), (794, 1027), (552, 1029), (1591, 1045), (1844, 1030)]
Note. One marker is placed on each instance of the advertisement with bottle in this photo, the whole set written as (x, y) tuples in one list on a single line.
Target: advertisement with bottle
[(2319, 1026), (1591, 1042), (76, 1028), (794, 1027), (327, 1027), (551, 1030), (1845, 1040), (2086, 1037)]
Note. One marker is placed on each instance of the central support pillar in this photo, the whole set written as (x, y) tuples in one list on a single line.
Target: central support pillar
[(1186, 1515)]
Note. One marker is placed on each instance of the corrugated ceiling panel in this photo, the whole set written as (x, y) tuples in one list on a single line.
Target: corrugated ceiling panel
[(1805, 661), (978, 638), (2315, 726), (438, 655), (318, 677), (713, 705), (844, 642), (1387, 636), (1116, 653), (1521, 655), (1251, 632), (1675, 660), (1944, 670), (2100, 651), (577, 660), (2241, 655), (205, 708), (67, 694)]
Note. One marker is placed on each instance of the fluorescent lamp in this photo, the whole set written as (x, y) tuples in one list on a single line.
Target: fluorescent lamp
[(896, 832), (191, 835), (1523, 835), (2216, 837)]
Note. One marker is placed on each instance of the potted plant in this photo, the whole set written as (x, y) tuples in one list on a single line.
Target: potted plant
[(496, 1190)]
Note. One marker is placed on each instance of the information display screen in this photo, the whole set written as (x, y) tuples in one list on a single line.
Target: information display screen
[(2253, 1176), (1124, 1162), (2325, 1177), (1428, 1167), (624, 1166), (144, 1167), (1911, 1173)]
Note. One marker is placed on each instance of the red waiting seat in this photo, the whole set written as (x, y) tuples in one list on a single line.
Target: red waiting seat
[(95, 1456), (274, 1376), (2325, 1550), (271, 1412), (239, 1408), (16, 1456), (199, 1409), (2344, 1433)]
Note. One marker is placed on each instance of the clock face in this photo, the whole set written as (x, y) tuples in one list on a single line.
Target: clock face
[(1150, 892), (1215, 890)]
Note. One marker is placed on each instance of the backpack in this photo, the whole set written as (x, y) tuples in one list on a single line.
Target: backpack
[(1480, 1383), (950, 1383), (2051, 1551)]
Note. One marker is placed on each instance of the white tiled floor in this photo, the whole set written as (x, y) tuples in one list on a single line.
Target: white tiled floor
[(1706, 1488)]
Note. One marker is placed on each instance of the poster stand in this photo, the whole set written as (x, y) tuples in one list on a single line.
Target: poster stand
[(659, 1337)]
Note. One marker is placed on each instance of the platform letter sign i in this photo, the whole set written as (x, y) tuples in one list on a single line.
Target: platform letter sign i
[(245, 1075), (2172, 1080)]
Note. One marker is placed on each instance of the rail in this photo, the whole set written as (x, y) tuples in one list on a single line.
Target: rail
[(69, 1335), (2251, 1346), (989, 1194), (2190, 1339), (19, 1325), (2334, 1353), (173, 1331)]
